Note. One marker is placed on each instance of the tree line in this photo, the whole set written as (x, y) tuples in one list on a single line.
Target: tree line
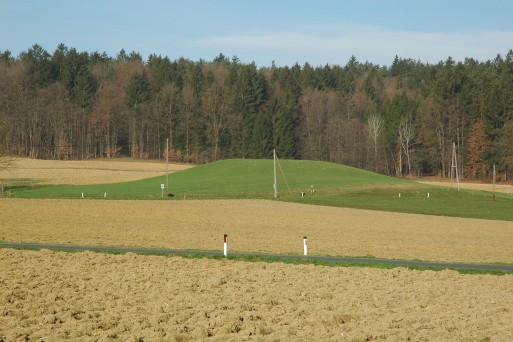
[(401, 119)]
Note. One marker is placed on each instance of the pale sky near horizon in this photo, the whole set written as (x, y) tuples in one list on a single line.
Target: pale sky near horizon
[(283, 31)]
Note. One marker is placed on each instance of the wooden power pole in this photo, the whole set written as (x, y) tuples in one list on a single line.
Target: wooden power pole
[(275, 185), (494, 182), (454, 166), (167, 165)]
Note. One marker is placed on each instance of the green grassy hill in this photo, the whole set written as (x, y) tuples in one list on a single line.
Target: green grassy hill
[(239, 177), (335, 185)]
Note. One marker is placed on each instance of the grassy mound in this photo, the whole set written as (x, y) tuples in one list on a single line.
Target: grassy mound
[(334, 184), (236, 178)]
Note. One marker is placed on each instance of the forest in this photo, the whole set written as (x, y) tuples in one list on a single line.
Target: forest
[(405, 120)]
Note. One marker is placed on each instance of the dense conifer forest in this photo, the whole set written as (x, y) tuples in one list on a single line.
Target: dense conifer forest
[(401, 120)]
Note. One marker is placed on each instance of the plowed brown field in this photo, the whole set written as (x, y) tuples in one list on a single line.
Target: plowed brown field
[(56, 296), (97, 297)]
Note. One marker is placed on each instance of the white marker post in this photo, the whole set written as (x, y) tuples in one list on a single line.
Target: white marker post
[(399, 195), (82, 195), (428, 194), (162, 190), (305, 246), (105, 195), (225, 245)]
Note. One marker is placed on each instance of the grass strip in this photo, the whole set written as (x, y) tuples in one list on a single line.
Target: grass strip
[(254, 258)]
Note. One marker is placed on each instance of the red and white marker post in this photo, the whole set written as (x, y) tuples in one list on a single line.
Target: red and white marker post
[(225, 245), (305, 246)]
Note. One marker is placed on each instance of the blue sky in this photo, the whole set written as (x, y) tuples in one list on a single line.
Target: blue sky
[(283, 31)]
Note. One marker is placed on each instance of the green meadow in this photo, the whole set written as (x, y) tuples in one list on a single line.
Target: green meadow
[(334, 184)]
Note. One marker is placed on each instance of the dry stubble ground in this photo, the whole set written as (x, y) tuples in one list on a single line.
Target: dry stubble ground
[(86, 296), (102, 171)]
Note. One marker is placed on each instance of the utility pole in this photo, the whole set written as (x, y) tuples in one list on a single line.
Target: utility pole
[(494, 181), (275, 184), (167, 165), (454, 165)]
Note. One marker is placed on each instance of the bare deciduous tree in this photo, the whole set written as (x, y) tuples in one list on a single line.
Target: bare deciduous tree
[(189, 107), (406, 136), (217, 114), (478, 145), (319, 110), (375, 124)]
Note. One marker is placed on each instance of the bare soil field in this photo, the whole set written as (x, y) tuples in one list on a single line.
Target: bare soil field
[(256, 226), (101, 171), (56, 296), (505, 188)]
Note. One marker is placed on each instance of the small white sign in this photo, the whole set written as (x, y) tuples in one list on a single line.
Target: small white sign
[(162, 186)]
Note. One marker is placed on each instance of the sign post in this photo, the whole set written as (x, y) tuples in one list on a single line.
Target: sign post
[(225, 251)]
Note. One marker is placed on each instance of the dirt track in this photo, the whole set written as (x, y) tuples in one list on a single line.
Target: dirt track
[(505, 188)]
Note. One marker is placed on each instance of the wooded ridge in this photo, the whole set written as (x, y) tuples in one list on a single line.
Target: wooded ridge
[(398, 120)]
